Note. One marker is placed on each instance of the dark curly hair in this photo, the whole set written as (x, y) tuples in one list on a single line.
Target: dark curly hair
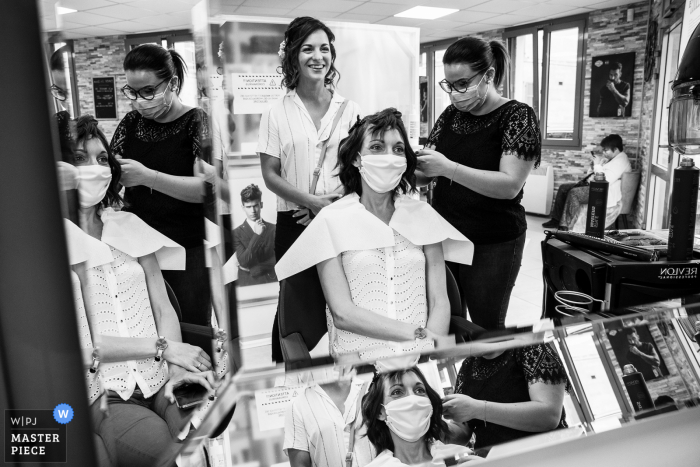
[(378, 431), (377, 124), (294, 37), (251, 193), (87, 128)]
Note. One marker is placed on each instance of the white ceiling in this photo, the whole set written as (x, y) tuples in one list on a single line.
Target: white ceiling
[(113, 17)]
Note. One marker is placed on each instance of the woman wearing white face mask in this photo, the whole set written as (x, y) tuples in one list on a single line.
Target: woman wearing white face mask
[(403, 415), (481, 150), (378, 252), (158, 144), (130, 318)]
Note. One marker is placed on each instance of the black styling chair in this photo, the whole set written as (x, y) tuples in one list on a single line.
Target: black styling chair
[(302, 321), (200, 336)]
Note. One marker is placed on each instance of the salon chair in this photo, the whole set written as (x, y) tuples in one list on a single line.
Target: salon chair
[(200, 336), (302, 322)]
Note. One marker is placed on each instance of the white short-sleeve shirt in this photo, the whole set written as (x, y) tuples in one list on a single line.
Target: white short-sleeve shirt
[(288, 132), (314, 424)]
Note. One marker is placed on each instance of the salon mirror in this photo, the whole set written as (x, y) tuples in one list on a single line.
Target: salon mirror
[(602, 393), (85, 76)]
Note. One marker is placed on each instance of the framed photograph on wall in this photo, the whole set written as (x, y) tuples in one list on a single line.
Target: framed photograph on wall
[(612, 85), (634, 345)]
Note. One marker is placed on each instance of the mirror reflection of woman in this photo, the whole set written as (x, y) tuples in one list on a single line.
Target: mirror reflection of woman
[(404, 421), (293, 131), (481, 150), (380, 254), (129, 316), (158, 144)]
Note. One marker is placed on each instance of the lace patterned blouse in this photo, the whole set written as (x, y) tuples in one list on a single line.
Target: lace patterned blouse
[(507, 379), (479, 142), (170, 148), (389, 281), (119, 305)]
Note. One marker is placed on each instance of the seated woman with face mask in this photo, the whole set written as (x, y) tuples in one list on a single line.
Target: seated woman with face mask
[(380, 254), (403, 415), (129, 316)]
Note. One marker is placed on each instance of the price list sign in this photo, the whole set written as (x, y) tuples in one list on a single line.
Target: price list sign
[(104, 90)]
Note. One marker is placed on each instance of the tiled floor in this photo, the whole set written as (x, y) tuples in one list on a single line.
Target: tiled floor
[(526, 299)]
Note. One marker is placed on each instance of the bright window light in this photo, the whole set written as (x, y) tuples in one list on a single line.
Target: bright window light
[(426, 12), (61, 10)]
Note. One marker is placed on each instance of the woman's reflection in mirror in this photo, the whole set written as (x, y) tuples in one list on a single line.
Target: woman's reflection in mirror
[(158, 144)]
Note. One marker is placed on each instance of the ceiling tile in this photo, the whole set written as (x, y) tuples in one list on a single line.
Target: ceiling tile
[(125, 12), (446, 35), (509, 20), (575, 11), (155, 20), (543, 9), (441, 25), (88, 19), (338, 6), (128, 26), (255, 11), (479, 27), (575, 3), (82, 5), (96, 31), (609, 4), (278, 4), (378, 9), (394, 21), (322, 15), (468, 16), (500, 6), (68, 25), (351, 16), (182, 17)]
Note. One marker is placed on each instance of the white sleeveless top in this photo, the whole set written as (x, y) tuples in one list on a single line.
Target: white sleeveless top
[(389, 281)]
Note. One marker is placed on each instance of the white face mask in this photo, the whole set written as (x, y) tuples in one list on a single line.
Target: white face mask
[(93, 181), (409, 417), (469, 99), (382, 172), (155, 107)]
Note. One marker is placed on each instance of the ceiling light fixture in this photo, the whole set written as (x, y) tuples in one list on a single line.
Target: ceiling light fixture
[(426, 12), (61, 10)]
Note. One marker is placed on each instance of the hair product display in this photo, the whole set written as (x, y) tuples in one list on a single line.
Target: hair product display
[(597, 205), (637, 389), (684, 201)]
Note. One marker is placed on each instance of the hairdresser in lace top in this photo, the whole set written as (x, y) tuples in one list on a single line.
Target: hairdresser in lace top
[(505, 395), (158, 144), (480, 151)]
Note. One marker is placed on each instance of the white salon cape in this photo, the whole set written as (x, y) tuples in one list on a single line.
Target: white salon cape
[(384, 265), (117, 295), (438, 450)]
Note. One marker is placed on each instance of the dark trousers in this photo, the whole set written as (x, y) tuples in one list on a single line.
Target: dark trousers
[(560, 200), (486, 284), (286, 233), (138, 431), (191, 287)]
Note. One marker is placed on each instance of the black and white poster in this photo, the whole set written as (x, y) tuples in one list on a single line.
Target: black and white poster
[(612, 85)]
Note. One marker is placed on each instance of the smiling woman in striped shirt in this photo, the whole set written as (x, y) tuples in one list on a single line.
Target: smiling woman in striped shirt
[(294, 132)]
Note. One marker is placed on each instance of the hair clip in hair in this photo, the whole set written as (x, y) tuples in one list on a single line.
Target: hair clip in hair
[(357, 124), (281, 52)]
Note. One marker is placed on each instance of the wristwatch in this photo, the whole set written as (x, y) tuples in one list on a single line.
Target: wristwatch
[(95, 360), (420, 333), (161, 345)]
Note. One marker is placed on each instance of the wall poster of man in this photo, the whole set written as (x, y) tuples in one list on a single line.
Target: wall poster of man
[(634, 345), (612, 82)]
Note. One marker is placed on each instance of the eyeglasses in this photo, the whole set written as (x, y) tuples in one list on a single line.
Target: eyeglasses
[(459, 86), (146, 92), (59, 93)]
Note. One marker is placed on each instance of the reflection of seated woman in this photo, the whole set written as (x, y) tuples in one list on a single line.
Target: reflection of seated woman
[(508, 395), (379, 252), (403, 415), (128, 309)]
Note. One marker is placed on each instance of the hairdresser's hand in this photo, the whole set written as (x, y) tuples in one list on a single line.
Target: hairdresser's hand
[(187, 356), (461, 408), (305, 215), (136, 174), (434, 164), (318, 202), (179, 377), (67, 176)]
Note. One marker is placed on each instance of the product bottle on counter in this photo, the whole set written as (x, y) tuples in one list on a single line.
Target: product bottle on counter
[(597, 205), (684, 204), (637, 389)]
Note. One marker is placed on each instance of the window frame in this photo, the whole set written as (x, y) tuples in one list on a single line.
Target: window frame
[(541, 97)]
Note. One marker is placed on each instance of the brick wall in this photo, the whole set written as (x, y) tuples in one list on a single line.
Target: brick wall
[(100, 57)]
